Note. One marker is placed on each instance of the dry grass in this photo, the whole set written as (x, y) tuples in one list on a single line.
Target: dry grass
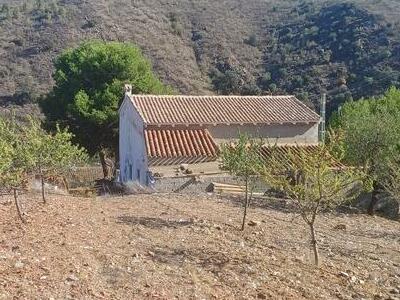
[(189, 247)]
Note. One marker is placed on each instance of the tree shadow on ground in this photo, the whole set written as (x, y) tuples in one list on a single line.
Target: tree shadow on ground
[(374, 235), (154, 223), (213, 261)]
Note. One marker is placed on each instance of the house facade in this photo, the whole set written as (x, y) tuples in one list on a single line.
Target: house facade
[(172, 130)]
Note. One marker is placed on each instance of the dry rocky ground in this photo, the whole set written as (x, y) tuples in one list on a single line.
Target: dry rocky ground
[(189, 247)]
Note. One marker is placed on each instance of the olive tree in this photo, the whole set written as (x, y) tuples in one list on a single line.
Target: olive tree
[(242, 158), (313, 180)]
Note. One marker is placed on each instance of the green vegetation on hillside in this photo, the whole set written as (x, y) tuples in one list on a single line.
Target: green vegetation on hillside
[(341, 49), (350, 49)]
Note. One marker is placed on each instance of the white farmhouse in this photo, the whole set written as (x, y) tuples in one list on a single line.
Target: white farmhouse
[(171, 130)]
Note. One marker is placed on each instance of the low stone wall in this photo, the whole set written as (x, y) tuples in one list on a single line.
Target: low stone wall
[(195, 184)]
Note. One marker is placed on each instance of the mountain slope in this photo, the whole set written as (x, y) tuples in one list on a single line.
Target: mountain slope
[(213, 46)]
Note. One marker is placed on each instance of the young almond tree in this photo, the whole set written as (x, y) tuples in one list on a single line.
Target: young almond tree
[(314, 181), (242, 159), (12, 169), (50, 154)]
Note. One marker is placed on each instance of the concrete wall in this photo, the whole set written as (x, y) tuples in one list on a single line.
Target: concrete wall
[(285, 133), (132, 148)]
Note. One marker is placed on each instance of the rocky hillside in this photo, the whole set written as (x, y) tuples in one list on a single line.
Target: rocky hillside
[(349, 49)]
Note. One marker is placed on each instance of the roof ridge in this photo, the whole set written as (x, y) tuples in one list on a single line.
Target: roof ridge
[(222, 109), (214, 96)]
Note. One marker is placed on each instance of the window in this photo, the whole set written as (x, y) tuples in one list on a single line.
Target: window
[(130, 172)]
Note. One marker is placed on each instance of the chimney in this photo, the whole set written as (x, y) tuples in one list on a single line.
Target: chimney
[(128, 89), (322, 125)]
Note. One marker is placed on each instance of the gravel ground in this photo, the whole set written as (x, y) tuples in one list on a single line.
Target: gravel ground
[(169, 246)]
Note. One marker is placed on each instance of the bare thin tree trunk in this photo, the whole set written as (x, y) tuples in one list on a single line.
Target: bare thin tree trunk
[(246, 203), (65, 182), (102, 155), (314, 244), (42, 184), (17, 205), (374, 199)]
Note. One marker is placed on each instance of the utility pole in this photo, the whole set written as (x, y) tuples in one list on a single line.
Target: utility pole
[(322, 126)]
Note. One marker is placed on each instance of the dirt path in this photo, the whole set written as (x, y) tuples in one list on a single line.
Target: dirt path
[(189, 247)]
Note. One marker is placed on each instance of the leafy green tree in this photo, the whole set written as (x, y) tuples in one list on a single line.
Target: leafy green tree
[(88, 90), (13, 171), (49, 154), (371, 137), (228, 82), (314, 181), (242, 159)]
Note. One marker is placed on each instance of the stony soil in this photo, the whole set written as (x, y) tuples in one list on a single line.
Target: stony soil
[(190, 247)]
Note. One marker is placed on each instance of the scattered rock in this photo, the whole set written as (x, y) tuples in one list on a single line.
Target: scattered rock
[(19, 265), (184, 167), (261, 296), (72, 278), (372, 277), (218, 227), (253, 223), (394, 291), (340, 227), (344, 274), (298, 259), (152, 254)]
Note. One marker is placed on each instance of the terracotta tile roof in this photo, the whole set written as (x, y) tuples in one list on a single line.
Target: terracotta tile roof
[(171, 110), (177, 146), (283, 150)]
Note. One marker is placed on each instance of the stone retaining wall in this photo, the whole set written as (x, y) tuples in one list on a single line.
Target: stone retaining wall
[(195, 184)]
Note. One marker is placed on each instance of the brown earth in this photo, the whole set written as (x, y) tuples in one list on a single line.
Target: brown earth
[(189, 247)]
